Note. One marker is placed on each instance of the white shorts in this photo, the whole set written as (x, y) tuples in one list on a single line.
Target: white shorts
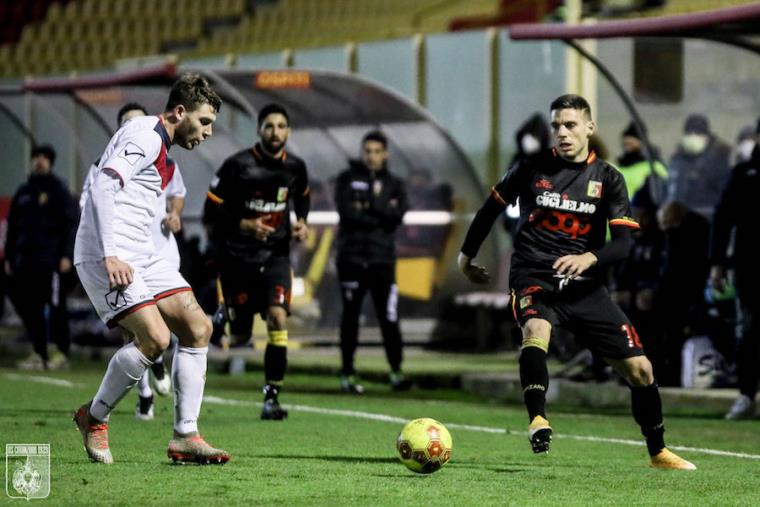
[(153, 279)]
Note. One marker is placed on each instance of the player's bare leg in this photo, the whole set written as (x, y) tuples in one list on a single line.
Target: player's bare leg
[(534, 376), (193, 329), (647, 411), (275, 363), (125, 369)]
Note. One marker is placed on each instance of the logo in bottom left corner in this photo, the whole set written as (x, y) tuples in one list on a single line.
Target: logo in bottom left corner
[(27, 470)]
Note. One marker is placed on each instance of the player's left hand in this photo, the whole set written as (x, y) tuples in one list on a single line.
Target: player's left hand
[(574, 265), (173, 222), (300, 231)]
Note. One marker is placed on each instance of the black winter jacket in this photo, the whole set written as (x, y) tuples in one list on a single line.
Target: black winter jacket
[(42, 224), (371, 205)]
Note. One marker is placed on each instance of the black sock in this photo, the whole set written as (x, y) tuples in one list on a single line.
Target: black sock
[(275, 362), (534, 377), (647, 411)]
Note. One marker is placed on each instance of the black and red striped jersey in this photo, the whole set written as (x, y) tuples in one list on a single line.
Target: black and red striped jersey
[(564, 207)]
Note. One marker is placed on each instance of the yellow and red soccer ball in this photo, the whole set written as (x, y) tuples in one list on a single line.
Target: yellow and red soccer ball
[(424, 445)]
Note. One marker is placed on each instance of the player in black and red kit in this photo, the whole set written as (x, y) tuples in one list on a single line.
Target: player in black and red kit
[(247, 212), (567, 198)]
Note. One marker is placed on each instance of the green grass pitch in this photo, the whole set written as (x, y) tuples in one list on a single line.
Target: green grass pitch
[(331, 451)]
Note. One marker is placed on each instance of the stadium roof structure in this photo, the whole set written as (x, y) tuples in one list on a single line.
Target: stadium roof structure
[(329, 111), (738, 26)]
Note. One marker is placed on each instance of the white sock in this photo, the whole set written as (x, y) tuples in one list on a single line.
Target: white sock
[(143, 386), (189, 378), (126, 367)]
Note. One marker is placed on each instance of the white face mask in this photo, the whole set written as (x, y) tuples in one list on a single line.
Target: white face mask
[(744, 150), (529, 144), (694, 144)]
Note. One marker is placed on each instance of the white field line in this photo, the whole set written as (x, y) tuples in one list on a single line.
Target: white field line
[(482, 429), (389, 418), (39, 379)]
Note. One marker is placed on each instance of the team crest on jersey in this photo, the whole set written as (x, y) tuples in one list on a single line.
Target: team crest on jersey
[(282, 194), (594, 189), (132, 153), (544, 184), (526, 301)]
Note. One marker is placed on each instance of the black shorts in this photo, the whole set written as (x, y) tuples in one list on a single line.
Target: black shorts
[(583, 308), (252, 289)]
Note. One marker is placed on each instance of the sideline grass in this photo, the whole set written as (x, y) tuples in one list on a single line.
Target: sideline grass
[(325, 459)]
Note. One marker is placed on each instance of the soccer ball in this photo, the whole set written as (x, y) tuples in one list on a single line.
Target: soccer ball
[(424, 445)]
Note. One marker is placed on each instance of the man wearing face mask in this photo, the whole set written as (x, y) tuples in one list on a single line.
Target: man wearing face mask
[(633, 165), (745, 143), (733, 215), (699, 166)]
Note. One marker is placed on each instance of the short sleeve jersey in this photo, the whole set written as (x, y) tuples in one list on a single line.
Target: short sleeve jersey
[(564, 208), (137, 154), (251, 184)]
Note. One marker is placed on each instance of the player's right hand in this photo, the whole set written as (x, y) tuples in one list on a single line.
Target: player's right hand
[(474, 272), (258, 226), (119, 272)]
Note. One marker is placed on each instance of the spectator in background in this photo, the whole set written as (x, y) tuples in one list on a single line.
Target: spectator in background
[(42, 223), (532, 137), (745, 143), (733, 214), (637, 278), (680, 294), (371, 202), (699, 166), (633, 165)]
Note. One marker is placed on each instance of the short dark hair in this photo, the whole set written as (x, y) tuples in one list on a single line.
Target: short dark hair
[(377, 136), (272, 109), (46, 151), (129, 106), (192, 91), (570, 101)]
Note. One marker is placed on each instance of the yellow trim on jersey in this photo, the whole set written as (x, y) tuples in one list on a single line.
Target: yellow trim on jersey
[(625, 221), (495, 194), (213, 197)]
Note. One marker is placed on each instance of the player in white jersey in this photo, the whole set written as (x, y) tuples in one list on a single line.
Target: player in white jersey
[(166, 222), (132, 286)]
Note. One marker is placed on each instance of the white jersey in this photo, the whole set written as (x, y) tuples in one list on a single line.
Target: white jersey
[(163, 239), (137, 154)]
